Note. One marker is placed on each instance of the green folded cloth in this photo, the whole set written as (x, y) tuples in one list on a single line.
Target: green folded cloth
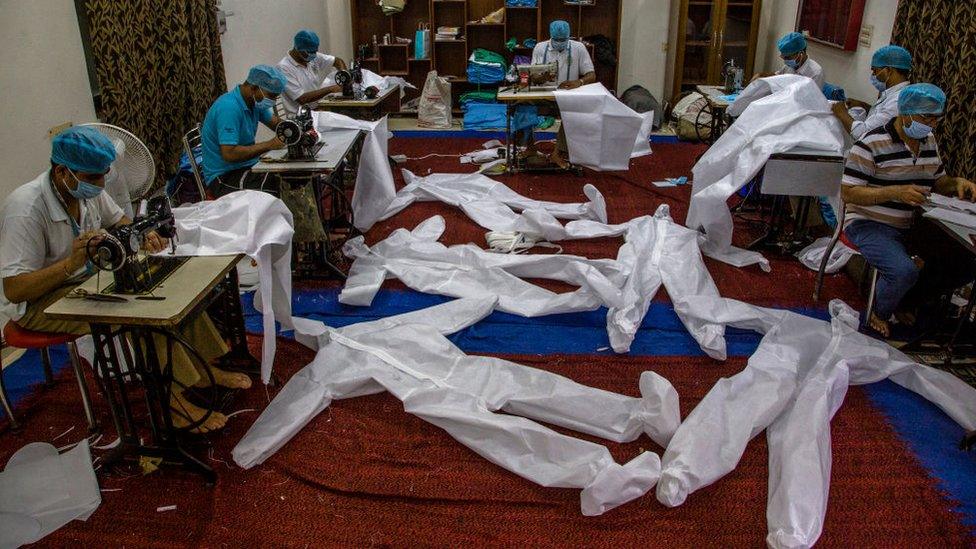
[(511, 44), (545, 122), (481, 55), (478, 97)]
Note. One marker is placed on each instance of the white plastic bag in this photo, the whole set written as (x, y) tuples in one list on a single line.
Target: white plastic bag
[(435, 103)]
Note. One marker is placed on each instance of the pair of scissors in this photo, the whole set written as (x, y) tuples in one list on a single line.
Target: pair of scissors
[(82, 293)]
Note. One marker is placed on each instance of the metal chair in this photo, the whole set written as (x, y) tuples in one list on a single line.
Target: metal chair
[(16, 336), (191, 141), (839, 235)]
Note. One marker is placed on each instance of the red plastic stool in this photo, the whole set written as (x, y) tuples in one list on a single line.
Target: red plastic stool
[(16, 336)]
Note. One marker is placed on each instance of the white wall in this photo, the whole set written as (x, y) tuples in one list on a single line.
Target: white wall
[(847, 69), (644, 30), (44, 83)]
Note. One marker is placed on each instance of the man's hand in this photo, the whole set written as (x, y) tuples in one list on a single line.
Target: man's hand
[(965, 188), (153, 243), (570, 85), (914, 195), (79, 249), (839, 108), (334, 88), (275, 143), (851, 103)]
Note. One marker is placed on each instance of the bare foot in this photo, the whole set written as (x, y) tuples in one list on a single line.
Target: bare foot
[(185, 413), (231, 380), (560, 162), (880, 325)]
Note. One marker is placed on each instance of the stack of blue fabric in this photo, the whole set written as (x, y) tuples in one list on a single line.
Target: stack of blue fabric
[(486, 67)]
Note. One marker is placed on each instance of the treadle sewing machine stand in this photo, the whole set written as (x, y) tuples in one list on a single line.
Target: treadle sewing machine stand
[(512, 98), (198, 284)]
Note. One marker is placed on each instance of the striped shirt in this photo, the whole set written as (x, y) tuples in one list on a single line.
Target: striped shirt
[(882, 159)]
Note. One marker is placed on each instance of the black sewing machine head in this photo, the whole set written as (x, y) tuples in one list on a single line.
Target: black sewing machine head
[(349, 79), (298, 132), (118, 250)]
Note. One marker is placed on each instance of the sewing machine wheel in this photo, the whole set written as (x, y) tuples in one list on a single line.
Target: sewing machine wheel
[(703, 124), (337, 220), (289, 131), (108, 254), (343, 77)]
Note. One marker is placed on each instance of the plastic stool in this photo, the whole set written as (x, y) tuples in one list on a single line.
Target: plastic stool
[(21, 338)]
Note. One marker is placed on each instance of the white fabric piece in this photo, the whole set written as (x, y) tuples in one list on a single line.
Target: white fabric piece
[(642, 147), (601, 132), (775, 114), (423, 264), (41, 491), (374, 179), (810, 69), (791, 378), (256, 224), (409, 356), (482, 198), (812, 255), (370, 78)]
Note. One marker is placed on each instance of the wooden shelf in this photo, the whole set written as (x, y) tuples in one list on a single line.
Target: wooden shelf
[(486, 24), (449, 41), (419, 60)]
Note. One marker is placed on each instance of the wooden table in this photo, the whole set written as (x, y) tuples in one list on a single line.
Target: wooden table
[(385, 102), (199, 284), (326, 176), (512, 98)]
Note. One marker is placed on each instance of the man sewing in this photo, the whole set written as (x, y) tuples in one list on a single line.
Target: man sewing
[(890, 66), (306, 69), (574, 68), (889, 173), (229, 130), (45, 228)]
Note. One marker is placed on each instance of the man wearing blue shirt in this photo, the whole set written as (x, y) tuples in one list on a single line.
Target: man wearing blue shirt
[(228, 132)]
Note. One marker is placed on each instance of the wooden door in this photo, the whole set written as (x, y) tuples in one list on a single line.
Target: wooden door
[(699, 25), (737, 36)]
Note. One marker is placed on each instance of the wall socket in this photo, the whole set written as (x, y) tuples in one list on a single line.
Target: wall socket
[(58, 129), (865, 36)]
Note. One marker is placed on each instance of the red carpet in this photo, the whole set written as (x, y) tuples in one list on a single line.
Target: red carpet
[(366, 473)]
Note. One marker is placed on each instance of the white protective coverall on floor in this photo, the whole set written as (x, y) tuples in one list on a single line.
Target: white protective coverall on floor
[(423, 264), (791, 387), (409, 356), (488, 202), (775, 114), (374, 178), (256, 224), (602, 133)]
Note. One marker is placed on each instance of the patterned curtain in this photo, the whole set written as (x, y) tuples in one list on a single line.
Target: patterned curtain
[(941, 34), (159, 68)]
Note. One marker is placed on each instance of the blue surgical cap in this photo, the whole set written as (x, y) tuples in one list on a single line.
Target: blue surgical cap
[(559, 30), (791, 44), (267, 78), (892, 56), (83, 149), (921, 99), (306, 40)]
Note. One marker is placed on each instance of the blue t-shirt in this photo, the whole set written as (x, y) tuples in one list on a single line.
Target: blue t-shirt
[(229, 122)]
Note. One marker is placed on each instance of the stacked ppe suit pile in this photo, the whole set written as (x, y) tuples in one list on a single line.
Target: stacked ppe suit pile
[(486, 67), (775, 114), (791, 388)]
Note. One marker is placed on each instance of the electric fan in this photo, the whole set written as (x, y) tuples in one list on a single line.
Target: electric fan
[(133, 171)]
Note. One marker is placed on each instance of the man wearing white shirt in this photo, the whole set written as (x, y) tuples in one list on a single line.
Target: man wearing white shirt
[(890, 66), (306, 69), (574, 68)]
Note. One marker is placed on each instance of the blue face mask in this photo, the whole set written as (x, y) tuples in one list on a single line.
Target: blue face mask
[(792, 63), (559, 45), (264, 104), (84, 190), (310, 56), (878, 83), (917, 130)]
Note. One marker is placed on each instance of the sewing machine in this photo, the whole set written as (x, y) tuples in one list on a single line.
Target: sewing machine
[(298, 133), (530, 77), (118, 250)]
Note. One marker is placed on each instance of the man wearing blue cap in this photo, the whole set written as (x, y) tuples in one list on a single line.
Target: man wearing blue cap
[(793, 51), (45, 228), (889, 173), (890, 66), (229, 130), (306, 69), (574, 68)]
